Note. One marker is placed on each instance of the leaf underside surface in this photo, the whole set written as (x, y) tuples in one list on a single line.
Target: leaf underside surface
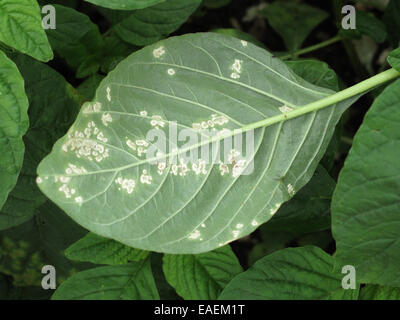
[(99, 173)]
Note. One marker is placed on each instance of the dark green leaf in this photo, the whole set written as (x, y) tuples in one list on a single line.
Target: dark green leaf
[(53, 105), (99, 250), (304, 273), (375, 292), (146, 26), (13, 125), (293, 21), (133, 281), (201, 276), (366, 202), (21, 28)]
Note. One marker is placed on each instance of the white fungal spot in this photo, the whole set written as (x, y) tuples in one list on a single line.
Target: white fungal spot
[(238, 168), (157, 122), (237, 69), (143, 113), (108, 94), (131, 144), (233, 156), (126, 184), (290, 190), (39, 180), (254, 223), (171, 72), (79, 200), (74, 169), (67, 191), (199, 167), (244, 43), (92, 107), (239, 226), (161, 166), (203, 225), (235, 233), (106, 119), (142, 143), (159, 52), (84, 146), (223, 169), (275, 209), (145, 178), (195, 234), (285, 109)]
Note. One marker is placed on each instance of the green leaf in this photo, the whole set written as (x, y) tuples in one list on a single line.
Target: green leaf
[(13, 125), (125, 4), (25, 249), (309, 210), (394, 59), (304, 273), (53, 105), (146, 26), (392, 22), (374, 292), (315, 72), (188, 79), (202, 276), (133, 281), (21, 28), (366, 24), (366, 203), (293, 21), (99, 250), (77, 39)]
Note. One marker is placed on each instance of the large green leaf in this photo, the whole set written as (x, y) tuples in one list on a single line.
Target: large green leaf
[(304, 273), (293, 21), (366, 202), (21, 28), (77, 39), (125, 4), (13, 125), (201, 276), (146, 26), (189, 79), (53, 105), (99, 250), (133, 281)]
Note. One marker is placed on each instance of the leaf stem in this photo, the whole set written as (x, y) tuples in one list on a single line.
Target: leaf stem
[(352, 91), (312, 48)]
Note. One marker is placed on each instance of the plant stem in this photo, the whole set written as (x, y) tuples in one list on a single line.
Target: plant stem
[(312, 48), (359, 88)]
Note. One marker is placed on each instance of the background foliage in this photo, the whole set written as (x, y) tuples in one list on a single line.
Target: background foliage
[(346, 214)]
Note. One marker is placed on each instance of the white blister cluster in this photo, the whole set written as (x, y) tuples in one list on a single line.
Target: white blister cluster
[(140, 146), (87, 144), (237, 164), (126, 184), (92, 107), (106, 119), (237, 69), (215, 120), (159, 52)]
